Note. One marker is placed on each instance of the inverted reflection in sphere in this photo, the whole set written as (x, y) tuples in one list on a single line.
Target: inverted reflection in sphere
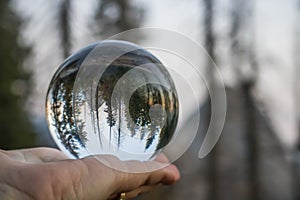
[(112, 97)]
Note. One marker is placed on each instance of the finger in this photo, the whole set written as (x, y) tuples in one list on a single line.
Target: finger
[(162, 158), (132, 166), (136, 192), (118, 181), (130, 181), (141, 190)]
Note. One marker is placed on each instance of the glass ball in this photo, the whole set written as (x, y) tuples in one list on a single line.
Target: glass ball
[(112, 97)]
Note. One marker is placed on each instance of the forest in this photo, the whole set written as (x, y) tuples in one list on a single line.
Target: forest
[(255, 45)]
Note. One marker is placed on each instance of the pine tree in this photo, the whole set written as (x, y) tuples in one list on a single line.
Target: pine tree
[(69, 128), (15, 127)]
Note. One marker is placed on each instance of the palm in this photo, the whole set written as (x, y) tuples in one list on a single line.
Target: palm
[(45, 173)]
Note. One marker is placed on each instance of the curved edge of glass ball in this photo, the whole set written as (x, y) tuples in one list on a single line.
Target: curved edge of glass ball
[(129, 128)]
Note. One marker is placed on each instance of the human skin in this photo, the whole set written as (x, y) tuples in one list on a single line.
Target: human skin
[(46, 173)]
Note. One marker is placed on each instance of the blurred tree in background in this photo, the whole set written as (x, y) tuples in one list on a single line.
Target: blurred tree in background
[(15, 128), (297, 66), (249, 161), (115, 16), (64, 26), (297, 95)]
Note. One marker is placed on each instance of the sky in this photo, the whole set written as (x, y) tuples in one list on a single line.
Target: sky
[(274, 41)]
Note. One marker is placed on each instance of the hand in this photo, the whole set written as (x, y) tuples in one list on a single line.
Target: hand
[(45, 173)]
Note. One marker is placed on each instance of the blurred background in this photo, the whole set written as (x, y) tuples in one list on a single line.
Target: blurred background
[(255, 44)]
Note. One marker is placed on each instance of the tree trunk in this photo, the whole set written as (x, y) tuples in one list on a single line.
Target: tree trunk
[(243, 50), (210, 47), (296, 163), (65, 27)]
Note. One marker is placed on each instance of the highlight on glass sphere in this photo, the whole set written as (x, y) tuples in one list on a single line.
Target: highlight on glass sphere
[(112, 97)]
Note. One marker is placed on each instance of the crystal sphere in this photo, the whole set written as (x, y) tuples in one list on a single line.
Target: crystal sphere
[(112, 97)]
